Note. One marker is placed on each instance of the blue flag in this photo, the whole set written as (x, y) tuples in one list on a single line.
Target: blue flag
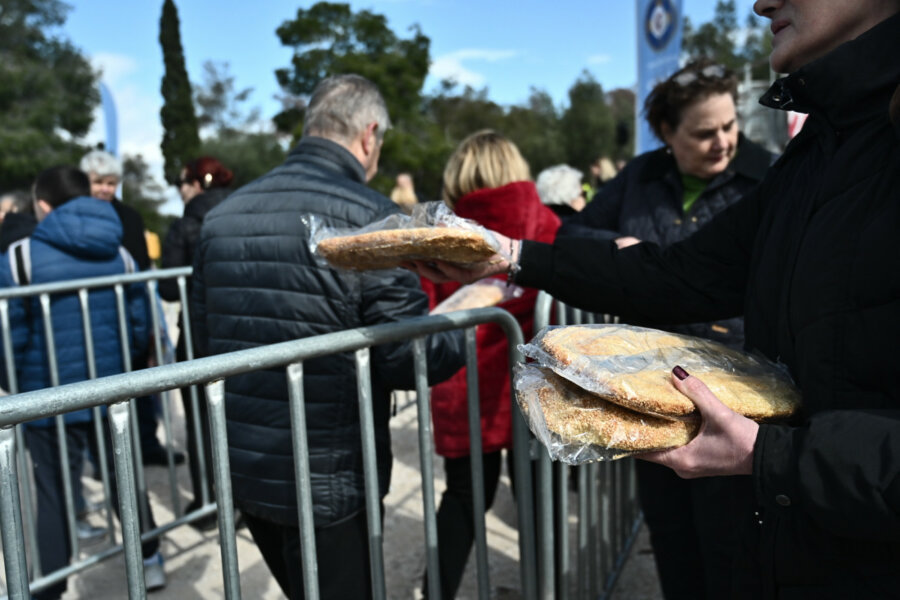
[(659, 47)]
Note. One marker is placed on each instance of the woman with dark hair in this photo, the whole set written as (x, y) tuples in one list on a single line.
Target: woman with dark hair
[(203, 184), (811, 258), (663, 196)]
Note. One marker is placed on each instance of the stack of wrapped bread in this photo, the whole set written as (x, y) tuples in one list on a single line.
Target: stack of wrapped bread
[(599, 392)]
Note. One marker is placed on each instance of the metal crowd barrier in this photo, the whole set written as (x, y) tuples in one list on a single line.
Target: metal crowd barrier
[(554, 563), (83, 288), (608, 515)]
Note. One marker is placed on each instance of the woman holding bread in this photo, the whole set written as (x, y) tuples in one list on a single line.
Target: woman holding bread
[(485, 180), (811, 258), (664, 196)]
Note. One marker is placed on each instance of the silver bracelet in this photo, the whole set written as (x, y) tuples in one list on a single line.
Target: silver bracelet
[(515, 247)]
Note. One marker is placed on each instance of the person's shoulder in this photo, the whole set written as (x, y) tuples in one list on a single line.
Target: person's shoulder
[(127, 214)]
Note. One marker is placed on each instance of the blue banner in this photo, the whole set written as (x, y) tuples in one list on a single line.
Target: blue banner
[(659, 48), (110, 119)]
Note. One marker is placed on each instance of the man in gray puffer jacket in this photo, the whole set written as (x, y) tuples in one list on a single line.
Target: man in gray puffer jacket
[(256, 282)]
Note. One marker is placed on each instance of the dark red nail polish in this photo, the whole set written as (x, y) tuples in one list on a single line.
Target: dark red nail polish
[(680, 373)]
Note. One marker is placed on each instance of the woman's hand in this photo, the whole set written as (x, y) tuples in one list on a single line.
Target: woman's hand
[(440, 271), (724, 445)]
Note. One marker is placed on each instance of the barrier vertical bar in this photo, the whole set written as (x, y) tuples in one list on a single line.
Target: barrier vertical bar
[(476, 462), (199, 453), (522, 469), (11, 519), (9, 355), (215, 394), (96, 413), (167, 417), (544, 510), (370, 470), (593, 509), (135, 430), (308, 558), (562, 531), (119, 420), (61, 441), (583, 532), (426, 465)]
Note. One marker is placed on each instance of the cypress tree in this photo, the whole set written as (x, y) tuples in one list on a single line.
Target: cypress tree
[(181, 140)]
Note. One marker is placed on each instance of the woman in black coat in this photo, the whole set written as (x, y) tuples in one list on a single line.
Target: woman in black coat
[(811, 258), (664, 196), (203, 184)]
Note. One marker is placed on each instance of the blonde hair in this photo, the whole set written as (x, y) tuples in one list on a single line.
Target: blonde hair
[(485, 159)]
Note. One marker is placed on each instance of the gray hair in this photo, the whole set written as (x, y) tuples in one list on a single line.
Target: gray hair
[(560, 184), (19, 201), (342, 106), (102, 163)]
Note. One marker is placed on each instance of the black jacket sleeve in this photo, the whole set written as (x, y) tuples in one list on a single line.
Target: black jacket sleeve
[(174, 254), (198, 310), (842, 469), (702, 278), (396, 297)]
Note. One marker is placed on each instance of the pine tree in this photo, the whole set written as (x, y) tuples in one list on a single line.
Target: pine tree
[(181, 140)]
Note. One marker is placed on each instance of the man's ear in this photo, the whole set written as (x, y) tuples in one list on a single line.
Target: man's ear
[(42, 208), (370, 138)]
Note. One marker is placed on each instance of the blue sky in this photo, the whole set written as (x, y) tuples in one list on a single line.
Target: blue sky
[(505, 46)]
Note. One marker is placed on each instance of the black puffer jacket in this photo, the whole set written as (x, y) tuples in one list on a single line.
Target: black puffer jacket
[(184, 233), (256, 282), (645, 201), (812, 258)]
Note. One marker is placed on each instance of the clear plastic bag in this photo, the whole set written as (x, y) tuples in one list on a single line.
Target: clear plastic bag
[(378, 251), (481, 294), (631, 366), (577, 427)]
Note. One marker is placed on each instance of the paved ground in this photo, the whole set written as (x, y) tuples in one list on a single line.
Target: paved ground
[(193, 561)]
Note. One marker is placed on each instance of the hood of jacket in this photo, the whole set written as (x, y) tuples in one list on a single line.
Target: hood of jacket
[(514, 210), (82, 227)]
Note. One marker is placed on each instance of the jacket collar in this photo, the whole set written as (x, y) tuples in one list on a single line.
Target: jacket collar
[(751, 161), (849, 84), (330, 155)]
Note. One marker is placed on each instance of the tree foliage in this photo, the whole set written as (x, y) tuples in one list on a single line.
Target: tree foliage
[(231, 131), (587, 124), (181, 140), (725, 42), (47, 92)]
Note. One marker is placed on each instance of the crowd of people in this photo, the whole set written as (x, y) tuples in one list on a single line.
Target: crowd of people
[(792, 257)]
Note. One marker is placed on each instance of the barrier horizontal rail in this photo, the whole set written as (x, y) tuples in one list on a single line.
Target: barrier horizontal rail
[(114, 388)]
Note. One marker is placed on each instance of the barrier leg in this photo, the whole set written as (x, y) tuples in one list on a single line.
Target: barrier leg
[(215, 393), (11, 519), (119, 420), (302, 476)]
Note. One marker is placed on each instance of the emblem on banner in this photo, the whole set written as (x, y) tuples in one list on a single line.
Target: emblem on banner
[(660, 23)]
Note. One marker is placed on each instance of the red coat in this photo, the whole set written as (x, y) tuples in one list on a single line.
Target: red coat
[(515, 211)]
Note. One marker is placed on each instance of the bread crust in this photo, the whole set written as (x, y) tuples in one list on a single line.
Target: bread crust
[(480, 294), (632, 368), (578, 418), (388, 248)]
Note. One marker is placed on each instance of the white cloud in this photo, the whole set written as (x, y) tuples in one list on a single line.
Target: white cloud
[(114, 67), (450, 66), (599, 59)]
